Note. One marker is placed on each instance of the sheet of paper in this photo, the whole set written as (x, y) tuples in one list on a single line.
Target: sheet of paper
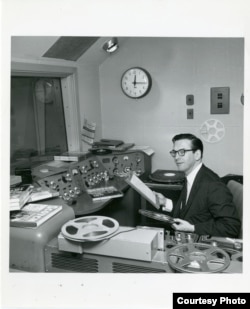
[(143, 189)]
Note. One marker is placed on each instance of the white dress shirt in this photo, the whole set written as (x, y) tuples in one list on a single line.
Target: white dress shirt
[(191, 177)]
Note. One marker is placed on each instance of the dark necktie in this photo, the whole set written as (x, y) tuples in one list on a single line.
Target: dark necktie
[(184, 194)]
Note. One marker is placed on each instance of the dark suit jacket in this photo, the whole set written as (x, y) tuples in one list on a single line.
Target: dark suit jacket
[(210, 206)]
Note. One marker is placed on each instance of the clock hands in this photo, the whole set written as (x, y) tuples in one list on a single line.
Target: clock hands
[(135, 82)]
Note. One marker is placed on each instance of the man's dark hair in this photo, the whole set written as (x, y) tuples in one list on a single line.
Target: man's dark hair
[(196, 143)]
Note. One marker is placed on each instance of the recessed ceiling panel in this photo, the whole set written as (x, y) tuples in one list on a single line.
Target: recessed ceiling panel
[(70, 48)]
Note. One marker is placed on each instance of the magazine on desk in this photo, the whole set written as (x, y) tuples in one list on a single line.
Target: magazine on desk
[(19, 196), (74, 156), (42, 193), (33, 215)]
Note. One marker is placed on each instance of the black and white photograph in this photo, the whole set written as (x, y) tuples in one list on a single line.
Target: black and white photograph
[(123, 146)]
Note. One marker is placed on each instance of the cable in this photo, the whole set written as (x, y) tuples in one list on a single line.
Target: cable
[(111, 236)]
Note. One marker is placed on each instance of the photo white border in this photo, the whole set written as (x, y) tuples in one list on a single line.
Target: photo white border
[(167, 18)]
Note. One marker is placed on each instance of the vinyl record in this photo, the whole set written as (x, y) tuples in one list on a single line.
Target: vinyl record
[(167, 176), (156, 216), (100, 151)]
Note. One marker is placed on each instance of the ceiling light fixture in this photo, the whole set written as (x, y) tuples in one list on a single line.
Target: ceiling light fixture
[(111, 45)]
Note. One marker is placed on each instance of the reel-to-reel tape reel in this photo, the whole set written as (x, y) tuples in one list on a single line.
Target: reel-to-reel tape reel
[(198, 258), (90, 228)]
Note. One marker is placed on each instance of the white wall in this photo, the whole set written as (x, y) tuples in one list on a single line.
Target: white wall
[(178, 66), (89, 98)]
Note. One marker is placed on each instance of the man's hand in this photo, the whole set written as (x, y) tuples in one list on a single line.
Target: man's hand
[(182, 225), (161, 200)]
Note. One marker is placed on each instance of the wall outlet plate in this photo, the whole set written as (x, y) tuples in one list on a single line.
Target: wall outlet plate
[(219, 100), (190, 113), (189, 99)]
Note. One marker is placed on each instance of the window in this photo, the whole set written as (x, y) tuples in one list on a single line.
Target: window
[(38, 128), (37, 120), (30, 145)]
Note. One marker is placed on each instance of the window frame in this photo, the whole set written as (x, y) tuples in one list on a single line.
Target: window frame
[(69, 94)]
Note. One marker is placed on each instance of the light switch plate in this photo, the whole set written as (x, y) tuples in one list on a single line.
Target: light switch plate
[(189, 99), (190, 113), (219, 100)]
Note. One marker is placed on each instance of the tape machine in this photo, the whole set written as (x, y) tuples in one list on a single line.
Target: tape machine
[(98, 244)]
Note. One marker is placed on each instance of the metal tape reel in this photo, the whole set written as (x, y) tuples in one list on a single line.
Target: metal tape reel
[(197, 258), (212, 130), (91, 228)]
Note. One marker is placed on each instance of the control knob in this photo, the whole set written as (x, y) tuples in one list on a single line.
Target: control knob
[(68, 177), (94, 163), (52, 185), (138, 172), (127, 169), (138, 159), (84, 169), (66, 196), (115, 160), (77, 190)]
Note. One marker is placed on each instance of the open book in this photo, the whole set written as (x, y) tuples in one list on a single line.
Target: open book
[(146, 192)]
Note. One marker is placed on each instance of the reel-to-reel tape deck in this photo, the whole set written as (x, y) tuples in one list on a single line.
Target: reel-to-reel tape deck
[(99, 244)]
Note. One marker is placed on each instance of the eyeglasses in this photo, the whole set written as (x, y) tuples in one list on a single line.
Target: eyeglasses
[(181, 152)]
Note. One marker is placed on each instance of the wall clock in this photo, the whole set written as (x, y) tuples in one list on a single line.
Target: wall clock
[(136, 82)]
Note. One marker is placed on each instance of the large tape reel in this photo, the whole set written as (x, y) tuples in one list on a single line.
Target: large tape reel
[(197, 258), (90, 228), (212, 130)]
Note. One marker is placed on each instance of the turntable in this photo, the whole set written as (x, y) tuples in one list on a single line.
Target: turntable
[(167, 176), (168, 179)]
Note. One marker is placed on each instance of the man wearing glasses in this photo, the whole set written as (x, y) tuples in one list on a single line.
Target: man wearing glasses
[(205, 206)]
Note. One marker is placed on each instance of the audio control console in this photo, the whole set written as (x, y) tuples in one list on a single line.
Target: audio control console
[(119, 164), (74, 178)]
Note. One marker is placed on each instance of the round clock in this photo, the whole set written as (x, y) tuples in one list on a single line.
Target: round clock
[(136, 82)]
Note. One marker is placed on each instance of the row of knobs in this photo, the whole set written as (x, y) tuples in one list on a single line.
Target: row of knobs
[(71, 195), (97, 178), (127, 169), (115, 160), (92, 180)]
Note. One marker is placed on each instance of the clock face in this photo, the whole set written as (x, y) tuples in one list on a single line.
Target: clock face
[(136, 83)]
